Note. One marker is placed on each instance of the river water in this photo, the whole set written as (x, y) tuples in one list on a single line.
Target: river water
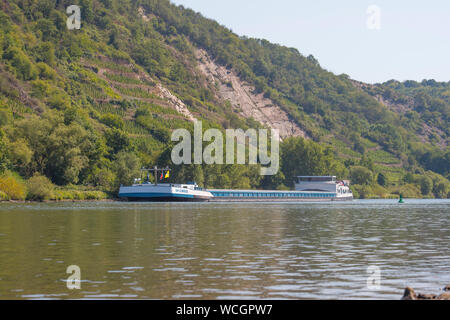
[(224, 250)]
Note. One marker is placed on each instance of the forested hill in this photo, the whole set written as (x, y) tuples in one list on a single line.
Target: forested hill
[(82, 110)]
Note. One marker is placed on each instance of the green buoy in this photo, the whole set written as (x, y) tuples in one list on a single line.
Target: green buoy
[(401, 199)]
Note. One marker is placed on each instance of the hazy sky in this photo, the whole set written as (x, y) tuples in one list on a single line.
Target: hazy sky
[(413, 41)]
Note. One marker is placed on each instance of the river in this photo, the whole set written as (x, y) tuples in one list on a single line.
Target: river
[(224, 250)]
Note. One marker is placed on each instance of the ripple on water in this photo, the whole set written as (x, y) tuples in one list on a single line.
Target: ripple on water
[(276, 251)]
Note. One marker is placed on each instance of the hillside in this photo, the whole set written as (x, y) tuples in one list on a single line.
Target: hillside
[(87, 108)]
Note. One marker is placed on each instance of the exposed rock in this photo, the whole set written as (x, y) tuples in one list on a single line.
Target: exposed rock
[(243, 99), (177, 103), (159, 90), (142, 13), (444, 296), (410, 294), (424, 296)]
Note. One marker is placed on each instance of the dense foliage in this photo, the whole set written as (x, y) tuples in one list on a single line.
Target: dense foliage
[(78, 107)]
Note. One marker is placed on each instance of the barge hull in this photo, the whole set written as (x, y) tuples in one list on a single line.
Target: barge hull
[(233, 199), (163, 198)]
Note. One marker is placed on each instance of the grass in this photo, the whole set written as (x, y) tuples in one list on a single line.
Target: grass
[(110, 65), (343, 148), (93, 91), (137, 92), (395, 174), (60, 195), (127, 80)]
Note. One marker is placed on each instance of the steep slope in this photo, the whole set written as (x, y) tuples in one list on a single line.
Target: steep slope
[(425, 106), (110, 94), (131, 83), (243, 98)]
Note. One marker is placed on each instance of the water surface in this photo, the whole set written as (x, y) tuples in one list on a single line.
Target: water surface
[(224, 250)]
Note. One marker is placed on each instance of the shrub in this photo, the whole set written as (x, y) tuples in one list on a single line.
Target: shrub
[(95, 195), (112, 120), (381, 180), (3, 196), (45, 72), (63, 195), (12, 187), (40, 188), (440, 190), (408, 191), (361, 175), (25, 70), (78, 195), (361, 191), (379, 191), (426, 185)]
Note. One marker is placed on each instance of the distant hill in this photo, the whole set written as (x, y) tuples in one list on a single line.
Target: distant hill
[(79, 105)]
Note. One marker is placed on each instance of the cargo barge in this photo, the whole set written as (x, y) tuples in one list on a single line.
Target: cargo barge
[(307, 188)]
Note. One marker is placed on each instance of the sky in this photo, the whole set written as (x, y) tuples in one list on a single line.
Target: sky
[(371, 41)]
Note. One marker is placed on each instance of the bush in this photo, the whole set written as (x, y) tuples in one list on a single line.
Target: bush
[(426, 185), (381, 180), (408, 191), (361, 175), (12, 187), (63, 195), (361, 191), (40, 188), (95, 195), (3, 196), (79, 195), (440, 190), (355, 192), (45, 72), (112, 121), (25, 70), (379, 191)]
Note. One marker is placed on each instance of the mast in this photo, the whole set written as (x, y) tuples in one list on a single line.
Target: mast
[(155, 171)]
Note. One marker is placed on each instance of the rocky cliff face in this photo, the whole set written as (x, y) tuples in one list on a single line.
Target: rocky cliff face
[(243, 99)]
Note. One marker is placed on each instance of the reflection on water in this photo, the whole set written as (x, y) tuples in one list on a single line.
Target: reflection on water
[(223, 251)]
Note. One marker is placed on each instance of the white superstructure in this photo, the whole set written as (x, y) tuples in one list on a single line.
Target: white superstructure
[(324, 184), (164, 192)]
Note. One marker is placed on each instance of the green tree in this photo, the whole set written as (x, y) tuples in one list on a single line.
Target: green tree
[(440, 190), (361, 175), (304, 157), (46, 28), (116, 140), (127, 167), (20, 155), (62, 152), (426, 185), (381, 179), (112, 121), (25, 69), (40, 188), (4, 161)]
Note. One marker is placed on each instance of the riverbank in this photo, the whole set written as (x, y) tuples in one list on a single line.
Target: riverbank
[(410, 294), (58, 201)]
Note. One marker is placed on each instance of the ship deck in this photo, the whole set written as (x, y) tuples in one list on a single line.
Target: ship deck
[(262, 195)]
